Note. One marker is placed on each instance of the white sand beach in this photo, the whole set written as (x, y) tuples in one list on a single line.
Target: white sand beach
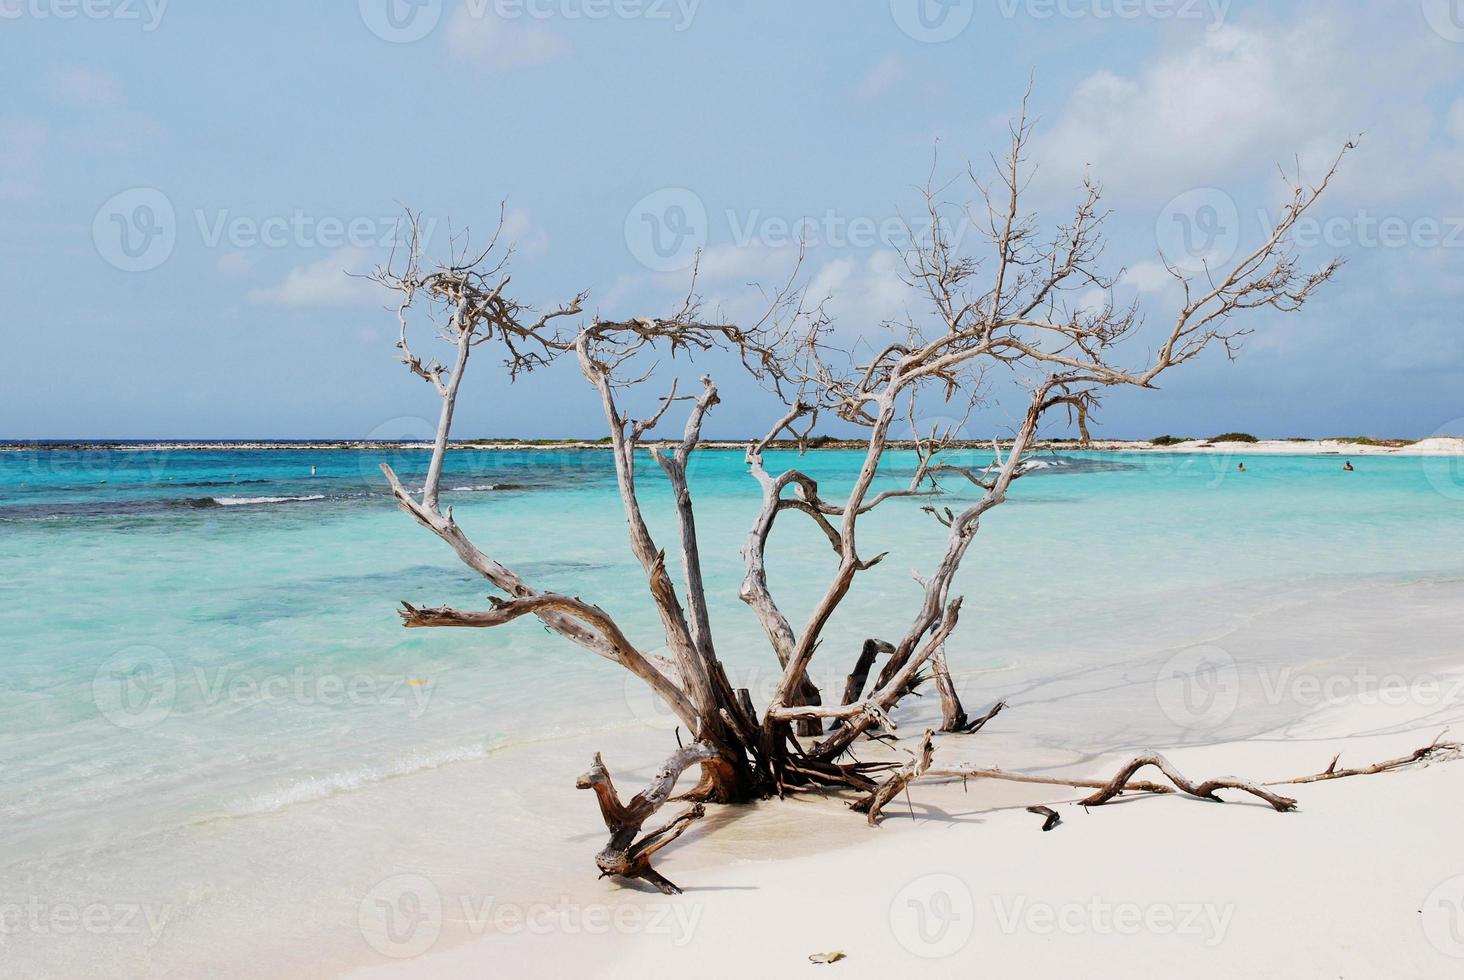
[(1365, 878)]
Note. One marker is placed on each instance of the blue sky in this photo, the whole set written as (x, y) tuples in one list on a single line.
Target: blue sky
[(185, 184)]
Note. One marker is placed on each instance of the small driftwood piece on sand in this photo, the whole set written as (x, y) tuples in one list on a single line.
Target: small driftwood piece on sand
[(1436, 751), (1123, 780), (1051, 815)]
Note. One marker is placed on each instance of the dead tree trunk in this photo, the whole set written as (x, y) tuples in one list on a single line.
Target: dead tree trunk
[(1010, 312)]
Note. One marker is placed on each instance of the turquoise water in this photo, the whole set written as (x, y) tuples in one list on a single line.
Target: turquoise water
[(192, 638)]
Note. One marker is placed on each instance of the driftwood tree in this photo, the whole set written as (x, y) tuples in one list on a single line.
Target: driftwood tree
[(1008, 313)]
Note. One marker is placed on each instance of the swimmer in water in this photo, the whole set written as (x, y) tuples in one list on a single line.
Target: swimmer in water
[(1347, 466), (1240, 467)]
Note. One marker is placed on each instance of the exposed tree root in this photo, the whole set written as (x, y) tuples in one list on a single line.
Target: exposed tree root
[(1123, 780), (1435, 751), (624, 856), (899, 779), (1205, 790), (960, 725)]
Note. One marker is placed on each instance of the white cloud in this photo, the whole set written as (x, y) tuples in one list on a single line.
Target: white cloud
[(1455, 120), (519, 232), (859, 292), (881, 78), (234, 264), (1228, 104), (86, 87), (20, 146), (1147, 277), (494, 45), (332, 281), (746, 263), (1197, 112), (863, 295)]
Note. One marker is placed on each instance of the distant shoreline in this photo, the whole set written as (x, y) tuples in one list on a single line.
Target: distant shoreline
[(1433, 446)]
